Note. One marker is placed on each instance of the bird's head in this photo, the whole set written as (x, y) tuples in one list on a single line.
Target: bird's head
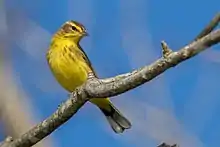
[(72, 30)]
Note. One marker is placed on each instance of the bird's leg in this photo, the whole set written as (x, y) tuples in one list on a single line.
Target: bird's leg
[(93, 77)]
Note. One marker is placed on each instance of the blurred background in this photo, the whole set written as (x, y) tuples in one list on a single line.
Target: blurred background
[(180, 106)]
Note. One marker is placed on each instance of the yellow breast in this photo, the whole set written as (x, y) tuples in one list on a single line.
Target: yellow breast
[(67, 68)]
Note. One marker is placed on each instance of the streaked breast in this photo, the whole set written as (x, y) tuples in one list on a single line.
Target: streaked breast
[(67, 68)]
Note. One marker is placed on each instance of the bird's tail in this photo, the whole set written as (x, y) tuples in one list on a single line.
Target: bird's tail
[(117, 121)]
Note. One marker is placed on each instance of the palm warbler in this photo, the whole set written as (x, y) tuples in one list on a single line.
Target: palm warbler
[(70, 66)]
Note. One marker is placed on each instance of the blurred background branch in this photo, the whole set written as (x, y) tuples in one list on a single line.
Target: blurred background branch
[(15, 108)]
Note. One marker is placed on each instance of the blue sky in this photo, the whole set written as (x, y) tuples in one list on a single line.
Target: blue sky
[(181, 106)]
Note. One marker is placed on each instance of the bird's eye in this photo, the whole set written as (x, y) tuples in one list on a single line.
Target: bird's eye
[(73, 28)]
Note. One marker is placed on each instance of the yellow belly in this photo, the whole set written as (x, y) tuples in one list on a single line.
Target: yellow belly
[(69, 74)]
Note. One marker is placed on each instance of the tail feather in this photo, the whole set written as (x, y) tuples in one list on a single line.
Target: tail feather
[(117, 121)]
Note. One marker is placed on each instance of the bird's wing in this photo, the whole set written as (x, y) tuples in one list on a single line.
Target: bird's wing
[(86, 59)]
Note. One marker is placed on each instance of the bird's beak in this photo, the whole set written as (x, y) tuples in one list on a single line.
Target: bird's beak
[(85, 34)]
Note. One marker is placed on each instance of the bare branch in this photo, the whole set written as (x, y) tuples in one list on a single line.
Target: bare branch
[(210, 27), (111, 87), (120, 84), (167, 145), (64, 112), (6, 142)]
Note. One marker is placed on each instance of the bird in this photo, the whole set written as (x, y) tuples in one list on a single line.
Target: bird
[(71, 66)]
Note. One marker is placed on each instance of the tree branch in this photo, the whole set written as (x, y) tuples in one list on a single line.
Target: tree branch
[(6, 142), (114, 86), (120, 84), (167, 145), (210, 27)]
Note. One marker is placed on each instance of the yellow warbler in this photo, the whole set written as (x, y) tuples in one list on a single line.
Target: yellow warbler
[(70, 66)]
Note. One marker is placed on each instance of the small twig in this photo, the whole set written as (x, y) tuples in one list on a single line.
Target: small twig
[(210, 27), (166, 51)]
